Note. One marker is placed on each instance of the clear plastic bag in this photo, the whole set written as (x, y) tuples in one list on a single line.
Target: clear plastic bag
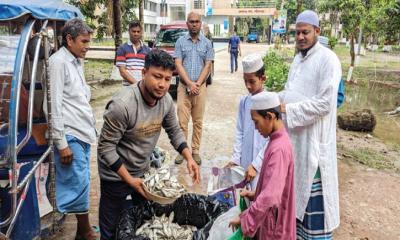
[(220, 229)]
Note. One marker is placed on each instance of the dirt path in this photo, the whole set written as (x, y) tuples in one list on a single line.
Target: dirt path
[(369, 198)]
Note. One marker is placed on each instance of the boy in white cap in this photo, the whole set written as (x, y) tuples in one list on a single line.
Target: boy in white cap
[(272, 213), (309, 103), (248, 142)]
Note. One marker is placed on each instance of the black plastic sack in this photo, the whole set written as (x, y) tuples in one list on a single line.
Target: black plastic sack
[(190, 209)]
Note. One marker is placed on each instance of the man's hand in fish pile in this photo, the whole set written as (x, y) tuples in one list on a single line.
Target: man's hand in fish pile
[(137, 184), (250, 173)]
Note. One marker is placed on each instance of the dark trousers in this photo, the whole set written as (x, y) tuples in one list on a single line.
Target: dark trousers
[(112, 203), (234, 63)]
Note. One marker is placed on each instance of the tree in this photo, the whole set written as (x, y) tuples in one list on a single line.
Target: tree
[(117, 24), (103, 22), (141, 10), (352, 12)]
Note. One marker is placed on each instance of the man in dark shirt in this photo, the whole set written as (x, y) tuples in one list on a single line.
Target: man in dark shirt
[(234, 50)]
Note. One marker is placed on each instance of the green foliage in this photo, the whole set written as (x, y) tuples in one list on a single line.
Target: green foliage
[(276, 70), (332, 42), (379, 19), (102, 22), (128, 12)]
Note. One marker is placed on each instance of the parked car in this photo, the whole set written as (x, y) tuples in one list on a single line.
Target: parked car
[(165, 40), (253, 35)]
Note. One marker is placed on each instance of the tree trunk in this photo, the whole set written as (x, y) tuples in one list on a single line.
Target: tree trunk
[(299, 6), (110, 9), (117, 25), (352, 54), (141, 11)]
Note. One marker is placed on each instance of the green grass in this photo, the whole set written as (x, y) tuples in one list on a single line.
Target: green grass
[(372, 60), (367, 157), (98, 70), (105, 42)]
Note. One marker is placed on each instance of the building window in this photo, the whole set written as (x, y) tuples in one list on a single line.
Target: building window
[(153, 7), (150, 6), (163, 10), (198, 4), (177, 13), (217, 29)]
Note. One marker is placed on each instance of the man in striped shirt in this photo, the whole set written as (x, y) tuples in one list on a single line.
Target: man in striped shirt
[(130, 56)]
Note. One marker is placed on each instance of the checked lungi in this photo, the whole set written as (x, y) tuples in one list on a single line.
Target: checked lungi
[(312, 226)]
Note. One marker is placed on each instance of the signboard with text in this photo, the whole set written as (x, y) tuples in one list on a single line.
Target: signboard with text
[(208, 8), (279, 22)]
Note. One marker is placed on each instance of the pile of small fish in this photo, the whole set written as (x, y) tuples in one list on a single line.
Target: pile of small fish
[(161, 183), (162, 228)]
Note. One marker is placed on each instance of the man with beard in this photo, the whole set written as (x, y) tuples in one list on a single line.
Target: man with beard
[(130, 56), (193, 58), (309, 103), (132, 126)]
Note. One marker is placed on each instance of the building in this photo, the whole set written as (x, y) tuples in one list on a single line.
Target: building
[(220, 15), (158, 12)]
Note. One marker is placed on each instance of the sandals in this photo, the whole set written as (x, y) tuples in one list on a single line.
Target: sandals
[(92, 235)]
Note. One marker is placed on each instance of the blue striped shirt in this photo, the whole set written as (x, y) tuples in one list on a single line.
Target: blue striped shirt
[(194, 55)]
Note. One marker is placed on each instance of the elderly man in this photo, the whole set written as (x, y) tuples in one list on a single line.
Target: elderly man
[(193, 58), (309, 101), (74, 125)]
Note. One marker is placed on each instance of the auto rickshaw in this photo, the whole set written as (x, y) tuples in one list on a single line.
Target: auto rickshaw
[(29, 32)]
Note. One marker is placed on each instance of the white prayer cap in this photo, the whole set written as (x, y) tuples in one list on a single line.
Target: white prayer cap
[(252, 63), (265, 100), (309, 17)]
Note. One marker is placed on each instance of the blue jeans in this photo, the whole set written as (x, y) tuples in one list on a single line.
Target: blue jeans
[(73, 181), (234, 63)]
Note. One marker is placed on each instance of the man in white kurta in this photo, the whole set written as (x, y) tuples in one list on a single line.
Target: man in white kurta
[(309, 100)]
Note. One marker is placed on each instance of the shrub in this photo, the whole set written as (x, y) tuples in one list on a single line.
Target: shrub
[(277, 71), (332, 42)]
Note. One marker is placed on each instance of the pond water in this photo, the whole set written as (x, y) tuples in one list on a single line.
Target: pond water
[(380, 99)]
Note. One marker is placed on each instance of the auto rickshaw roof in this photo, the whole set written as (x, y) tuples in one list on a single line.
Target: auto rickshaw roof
[(50, 9)]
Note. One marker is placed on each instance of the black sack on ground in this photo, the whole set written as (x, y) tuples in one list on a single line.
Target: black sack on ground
[(190, 209)]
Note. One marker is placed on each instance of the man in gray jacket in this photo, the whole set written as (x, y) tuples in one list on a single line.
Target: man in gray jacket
[(132, 126)]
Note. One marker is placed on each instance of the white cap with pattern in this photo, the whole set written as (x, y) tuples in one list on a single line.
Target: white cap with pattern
[(309, 17), (252, 63), (265, 100)]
